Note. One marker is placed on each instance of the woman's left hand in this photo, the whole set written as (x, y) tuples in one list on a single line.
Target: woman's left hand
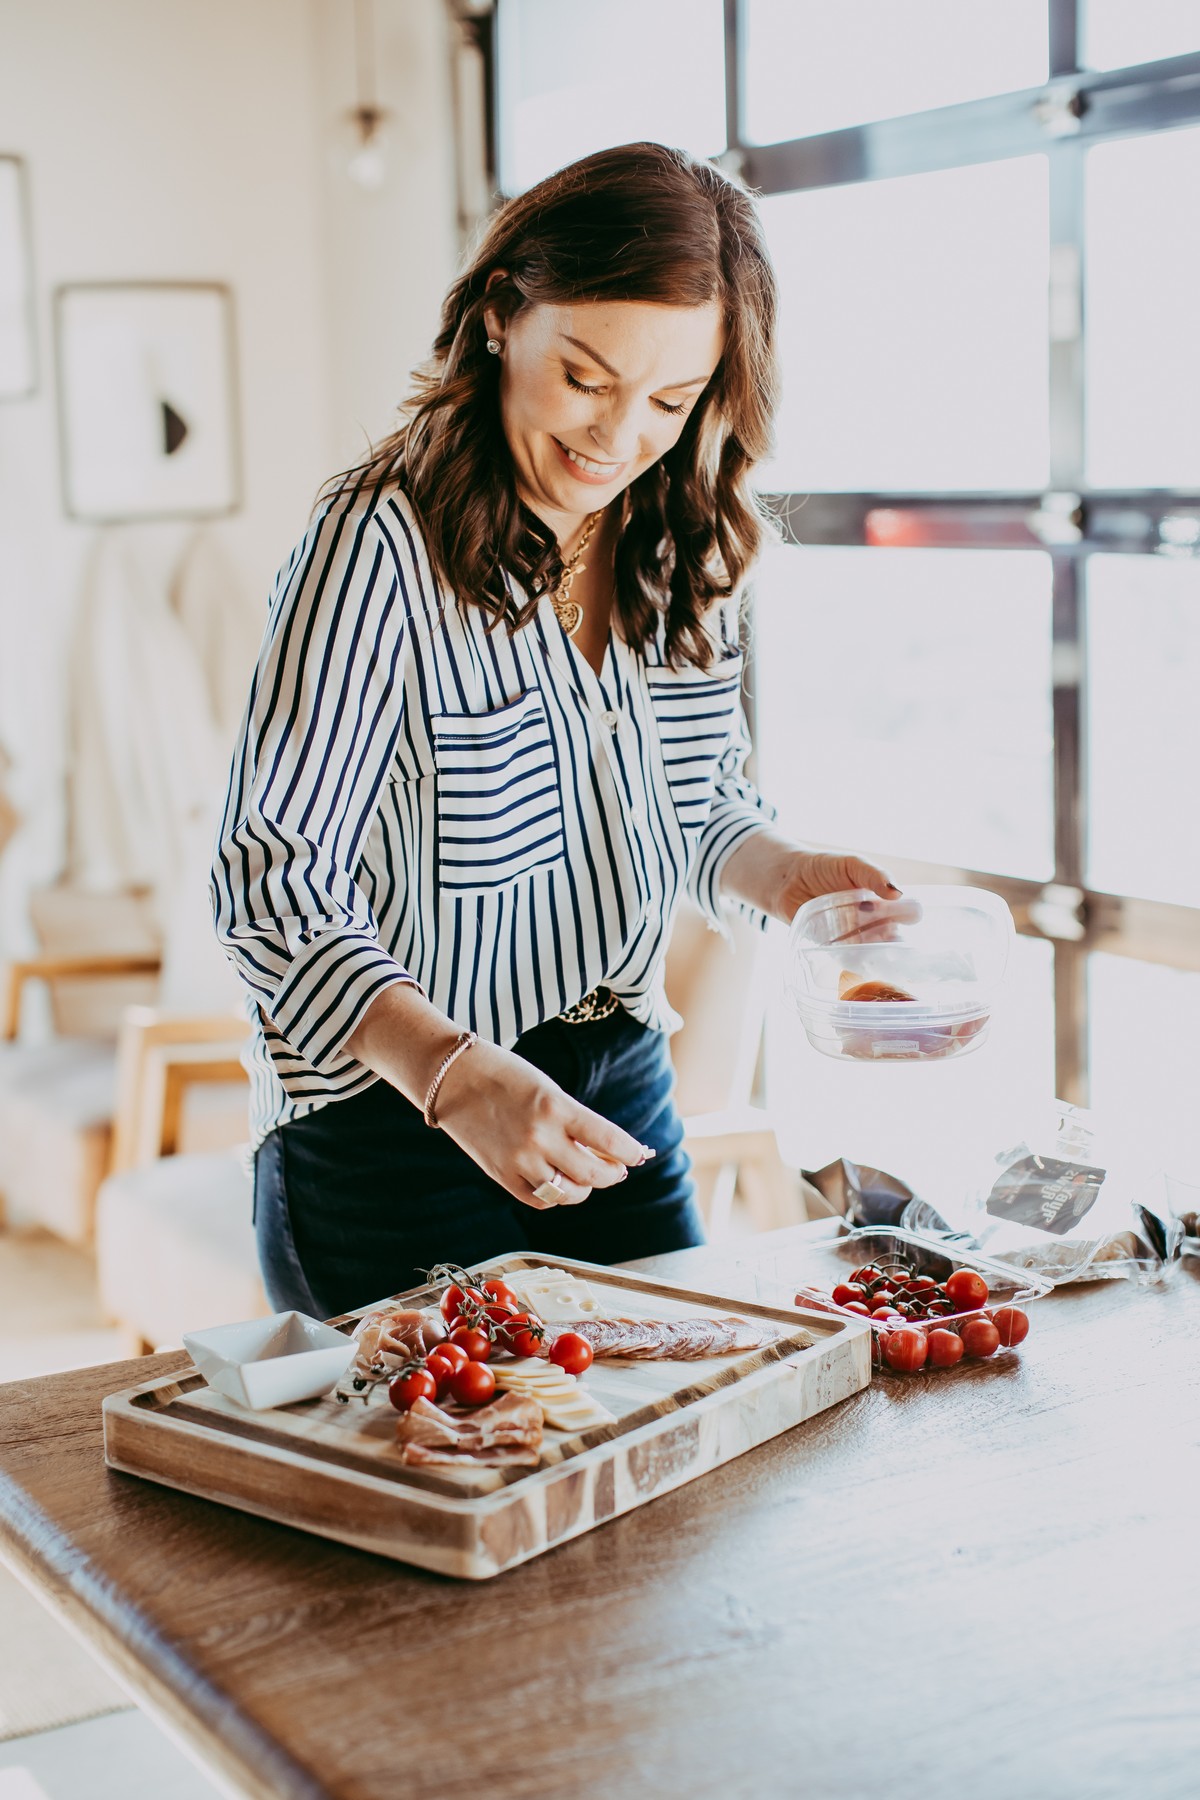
[(775, 875), (812, 872)]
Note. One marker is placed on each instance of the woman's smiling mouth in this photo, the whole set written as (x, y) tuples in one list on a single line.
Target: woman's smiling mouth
[(584, 468)]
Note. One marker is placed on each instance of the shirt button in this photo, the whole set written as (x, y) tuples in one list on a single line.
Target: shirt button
[(611, 719), (636, 816)]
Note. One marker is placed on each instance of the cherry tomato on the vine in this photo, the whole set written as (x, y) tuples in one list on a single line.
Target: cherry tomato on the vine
[(451, 1301), (500, 1291), (905, 1349), (945, 1348), (525, 1336), (404, 1389), (967, 1288), (473, 1385), (477, 1344), (571, 1352), (452, 1353), (980, 1338)]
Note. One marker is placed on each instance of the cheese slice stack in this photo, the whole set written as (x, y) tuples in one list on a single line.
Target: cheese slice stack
[(555, 1296), (565, 1405)]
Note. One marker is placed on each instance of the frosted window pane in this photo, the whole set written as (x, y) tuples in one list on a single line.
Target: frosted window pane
[(926, 1122), (904, 703), (1116, 33), (1143, 350), (576, 78), (1143, 793), (813, 65), (913, 332), (1145, 1057)]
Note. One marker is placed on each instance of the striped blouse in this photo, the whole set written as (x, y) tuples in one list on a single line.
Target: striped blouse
[(414, 798)]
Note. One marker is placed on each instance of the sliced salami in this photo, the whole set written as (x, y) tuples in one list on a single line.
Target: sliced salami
[(675, 1340)]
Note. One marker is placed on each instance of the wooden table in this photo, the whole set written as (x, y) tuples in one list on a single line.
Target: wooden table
[(978, 1586)]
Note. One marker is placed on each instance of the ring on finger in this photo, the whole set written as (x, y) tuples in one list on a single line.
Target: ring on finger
[(551, 1193)]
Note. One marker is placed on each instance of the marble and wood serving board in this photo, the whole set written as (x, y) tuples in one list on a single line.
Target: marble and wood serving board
[(333, 1468)]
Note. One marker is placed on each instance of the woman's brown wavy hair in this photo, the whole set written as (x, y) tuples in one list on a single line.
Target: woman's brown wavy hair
[(640, 222)]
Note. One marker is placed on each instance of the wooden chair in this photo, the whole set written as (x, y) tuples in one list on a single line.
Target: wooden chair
[(58, 1093), (175, 1244)]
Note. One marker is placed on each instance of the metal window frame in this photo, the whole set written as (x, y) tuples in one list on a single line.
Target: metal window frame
[(1074, 109)]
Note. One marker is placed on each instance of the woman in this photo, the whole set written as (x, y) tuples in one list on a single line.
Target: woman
[(494, 736)]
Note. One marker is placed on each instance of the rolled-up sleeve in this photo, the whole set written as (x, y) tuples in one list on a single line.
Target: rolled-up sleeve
[(738, 810), (318, 741)]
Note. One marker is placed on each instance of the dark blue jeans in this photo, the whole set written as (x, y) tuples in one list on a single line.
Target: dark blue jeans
[(359, 1199)]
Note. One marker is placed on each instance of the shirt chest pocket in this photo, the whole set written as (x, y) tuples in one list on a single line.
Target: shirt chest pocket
[(499, 805), (696, 711)]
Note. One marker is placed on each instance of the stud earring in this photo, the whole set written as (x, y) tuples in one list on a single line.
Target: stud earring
[(493, 346)]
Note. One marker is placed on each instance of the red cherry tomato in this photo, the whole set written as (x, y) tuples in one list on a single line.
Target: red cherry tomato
[(525, 1336), (945, 1349), (571, 1352), (441, 1368), (473, 1385), (451, 1301), (477, 1344), (454, 1354), (1011, 1323), (501, 1313), (885, 1312), (966, 1288), (500, 1291), (980, 1338), (906, 1348), (417, 1385), (843, 1292), (856, 1306)]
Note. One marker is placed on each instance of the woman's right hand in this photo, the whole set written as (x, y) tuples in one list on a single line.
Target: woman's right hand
[(523, 1130)]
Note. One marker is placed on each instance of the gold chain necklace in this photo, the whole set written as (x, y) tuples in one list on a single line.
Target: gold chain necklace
[(568, 612)]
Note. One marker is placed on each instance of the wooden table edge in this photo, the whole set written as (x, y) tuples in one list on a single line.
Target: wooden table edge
[(216, 1734)]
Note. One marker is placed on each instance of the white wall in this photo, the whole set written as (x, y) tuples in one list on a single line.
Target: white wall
[(199, 139)]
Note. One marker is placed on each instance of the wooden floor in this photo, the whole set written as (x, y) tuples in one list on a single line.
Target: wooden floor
[(49, 1314)]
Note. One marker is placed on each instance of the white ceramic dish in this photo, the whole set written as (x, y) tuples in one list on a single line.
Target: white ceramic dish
[(271, 1362)]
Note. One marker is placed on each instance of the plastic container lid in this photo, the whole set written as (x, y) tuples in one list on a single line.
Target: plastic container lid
[(911, 979)]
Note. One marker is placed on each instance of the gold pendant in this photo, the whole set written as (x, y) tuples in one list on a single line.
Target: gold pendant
[(569, 614)]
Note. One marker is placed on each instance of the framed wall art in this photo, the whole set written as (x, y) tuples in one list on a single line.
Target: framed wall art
[(147, 394), (18, 357)]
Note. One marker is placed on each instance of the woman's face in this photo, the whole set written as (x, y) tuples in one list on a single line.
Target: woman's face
[(592, 394)]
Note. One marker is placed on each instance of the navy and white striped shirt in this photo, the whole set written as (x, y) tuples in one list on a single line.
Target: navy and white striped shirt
[(417, 799)]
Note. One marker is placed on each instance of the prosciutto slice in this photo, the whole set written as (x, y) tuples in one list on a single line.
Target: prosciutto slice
[(509, 1431), (675, 1340)]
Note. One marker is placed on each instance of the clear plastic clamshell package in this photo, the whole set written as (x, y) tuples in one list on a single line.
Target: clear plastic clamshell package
[(1068, 1202), (911, 979), (984, 1313)]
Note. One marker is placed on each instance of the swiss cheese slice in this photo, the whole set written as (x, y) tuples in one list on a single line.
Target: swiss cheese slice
[(555, 1296)]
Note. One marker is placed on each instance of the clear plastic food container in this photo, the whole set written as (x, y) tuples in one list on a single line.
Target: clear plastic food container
[(907, 980), (807, 1274)]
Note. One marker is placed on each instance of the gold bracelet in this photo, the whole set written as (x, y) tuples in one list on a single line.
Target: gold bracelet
[(465, 1040)]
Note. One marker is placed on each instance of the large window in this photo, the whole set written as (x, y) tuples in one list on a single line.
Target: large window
[(978, 655)]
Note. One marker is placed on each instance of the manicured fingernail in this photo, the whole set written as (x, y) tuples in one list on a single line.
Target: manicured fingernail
[(647, 1153)]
